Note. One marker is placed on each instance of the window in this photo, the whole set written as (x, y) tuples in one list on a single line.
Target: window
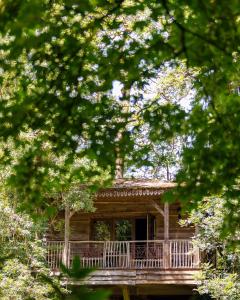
[(123, 230), (106, 230), (101, 230)]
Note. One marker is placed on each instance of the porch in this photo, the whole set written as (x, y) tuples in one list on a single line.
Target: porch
[(129, 255), (132, 240)]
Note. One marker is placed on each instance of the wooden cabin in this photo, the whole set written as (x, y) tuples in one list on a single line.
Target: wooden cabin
[(134, 241)]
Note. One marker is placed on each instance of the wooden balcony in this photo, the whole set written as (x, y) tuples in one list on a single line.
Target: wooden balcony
[(126, 255)]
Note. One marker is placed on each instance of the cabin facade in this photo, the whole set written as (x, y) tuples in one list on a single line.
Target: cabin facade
[(133, 240)]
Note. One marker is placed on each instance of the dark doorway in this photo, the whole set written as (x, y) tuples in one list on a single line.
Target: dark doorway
[(141, 229), (140, 235)]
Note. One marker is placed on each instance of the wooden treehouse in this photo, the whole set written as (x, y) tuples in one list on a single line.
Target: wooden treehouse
[(133, 240)]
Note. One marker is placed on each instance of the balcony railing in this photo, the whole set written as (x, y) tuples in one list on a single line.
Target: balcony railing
[(157, 254)]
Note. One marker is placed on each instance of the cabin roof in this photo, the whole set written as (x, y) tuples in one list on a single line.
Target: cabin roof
[(142, 183), (136, 187)]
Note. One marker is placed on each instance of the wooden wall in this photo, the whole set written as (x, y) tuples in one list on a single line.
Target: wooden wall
[(79, 228), (125, 207), (175, 230)]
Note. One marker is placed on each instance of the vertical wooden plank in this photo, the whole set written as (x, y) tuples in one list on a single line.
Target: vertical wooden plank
[(126, 293), (66, 234), (179, 252), (128, 255), (104, 254), (186, 256), (69, 255), (166, 221), (173, 246), (148, 220), (166, 235), (109, 254), (179, 249)]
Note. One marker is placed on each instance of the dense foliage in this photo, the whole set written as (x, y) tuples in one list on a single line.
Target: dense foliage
[(219, 276), (24, 274), (60, 59)]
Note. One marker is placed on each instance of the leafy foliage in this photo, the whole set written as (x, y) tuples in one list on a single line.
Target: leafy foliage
[(24, 274), (65, 59), (76, 274), (219, 276), (157, 151), (60, 59)]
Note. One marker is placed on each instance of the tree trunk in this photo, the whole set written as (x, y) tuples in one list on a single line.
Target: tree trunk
[(119, 160), (168, 173), (119, 172)]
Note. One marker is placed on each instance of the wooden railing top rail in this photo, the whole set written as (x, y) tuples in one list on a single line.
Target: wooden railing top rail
[(160, 254), (112, 241)]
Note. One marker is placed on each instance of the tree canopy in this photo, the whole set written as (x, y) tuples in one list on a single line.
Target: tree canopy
[(60, 60), (60, 63)]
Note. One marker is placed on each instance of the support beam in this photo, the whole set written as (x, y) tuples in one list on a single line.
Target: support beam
[(158, 208), (125, 292), (166, 221), (66, 236), (166, 250), (196, 250)]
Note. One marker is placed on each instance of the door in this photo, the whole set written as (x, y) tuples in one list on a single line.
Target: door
[(141, 229), (141, 234)]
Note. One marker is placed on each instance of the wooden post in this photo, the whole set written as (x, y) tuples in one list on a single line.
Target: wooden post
[(125, 292), (196, 250), (166, 251), (166, 221), (65, 254), (147, 235)]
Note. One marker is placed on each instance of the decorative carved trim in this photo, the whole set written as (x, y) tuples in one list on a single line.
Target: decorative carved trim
[(130, 193)]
